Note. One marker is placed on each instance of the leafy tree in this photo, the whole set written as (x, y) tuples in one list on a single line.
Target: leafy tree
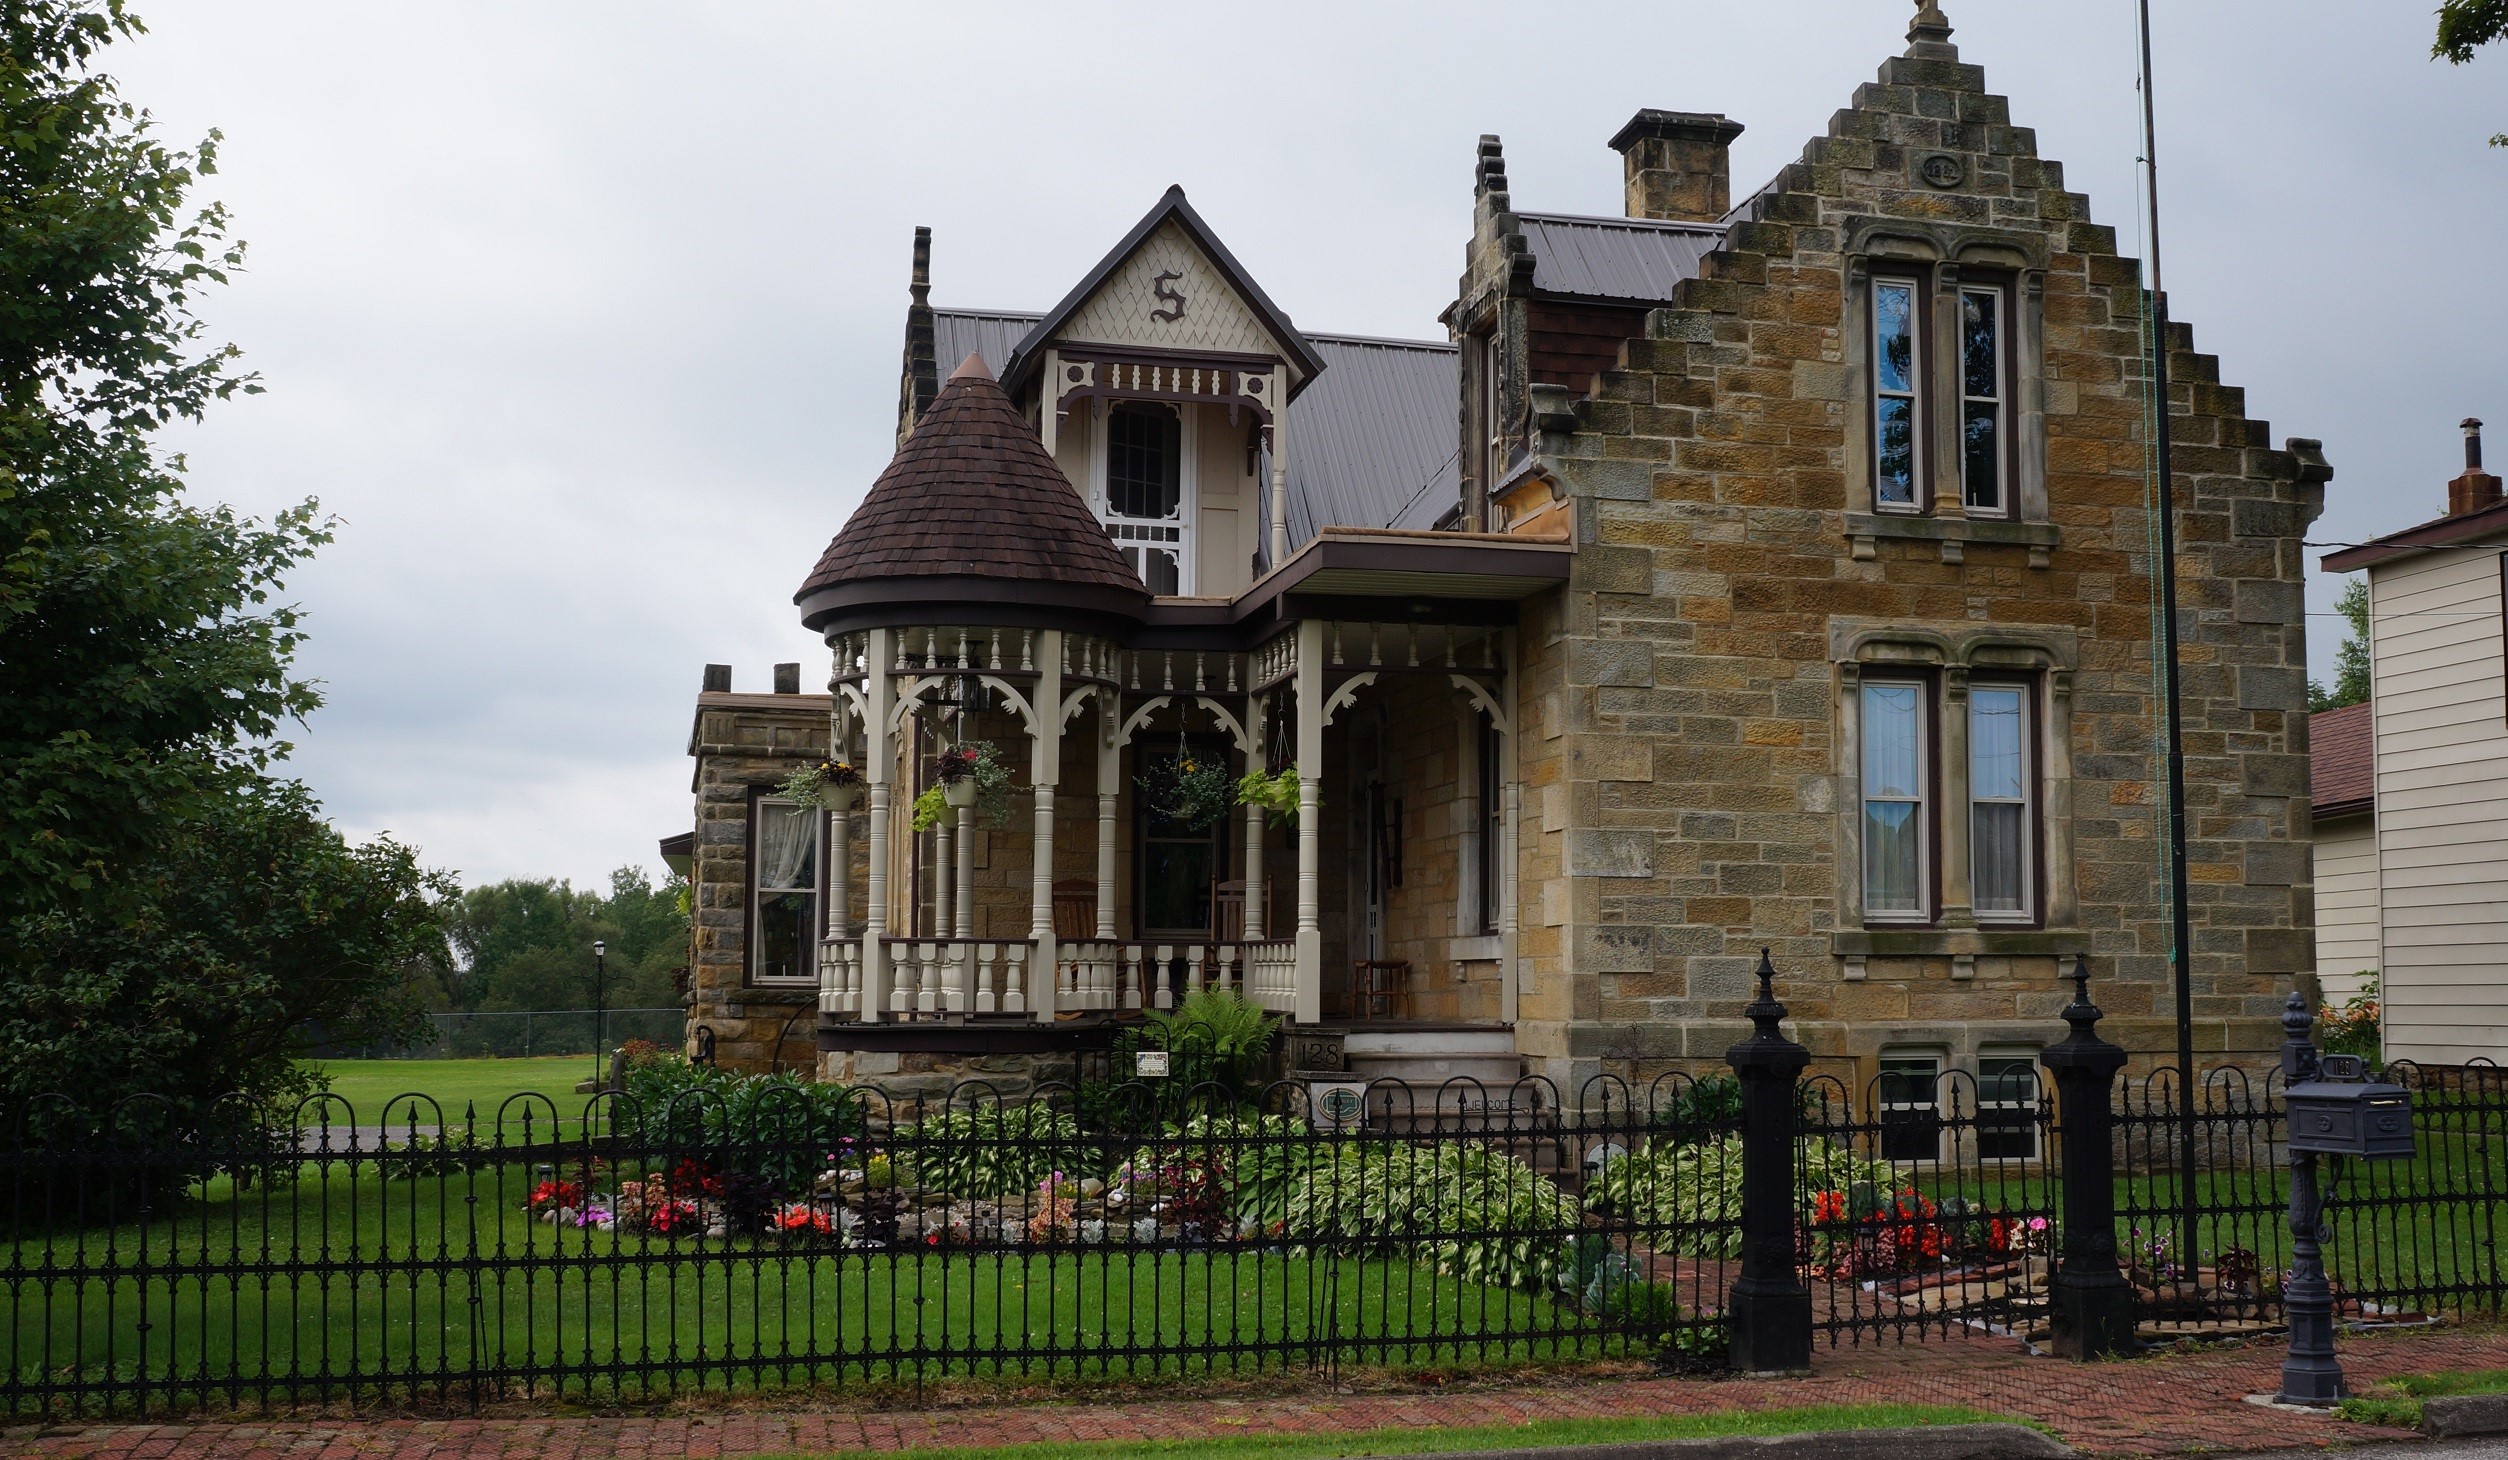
[(141, 659), (2465, 26), (526, 943), (250, 922), (2351, 657)]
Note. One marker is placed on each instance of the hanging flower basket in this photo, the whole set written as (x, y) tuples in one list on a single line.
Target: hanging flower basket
[(959, 793), (1190, 791), (965, 775), (833, 784), (1277, 793)]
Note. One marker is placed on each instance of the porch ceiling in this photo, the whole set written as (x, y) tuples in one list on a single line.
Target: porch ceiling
[(1378, 563)]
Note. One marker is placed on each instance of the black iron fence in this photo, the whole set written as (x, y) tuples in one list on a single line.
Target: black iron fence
[(1135, 1226)]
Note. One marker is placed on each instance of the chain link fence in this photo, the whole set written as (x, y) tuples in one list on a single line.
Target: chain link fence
[(524, 1032)]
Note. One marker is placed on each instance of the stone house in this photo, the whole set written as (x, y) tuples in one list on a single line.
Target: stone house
[(1735, 574)]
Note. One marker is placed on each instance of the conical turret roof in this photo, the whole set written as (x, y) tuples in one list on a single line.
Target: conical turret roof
[(970, 512)]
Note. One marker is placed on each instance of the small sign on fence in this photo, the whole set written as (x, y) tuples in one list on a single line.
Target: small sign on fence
[(1338, 1104), (1150, 1064)]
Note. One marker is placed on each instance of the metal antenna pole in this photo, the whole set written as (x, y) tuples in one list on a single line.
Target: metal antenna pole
[(2180, 933)]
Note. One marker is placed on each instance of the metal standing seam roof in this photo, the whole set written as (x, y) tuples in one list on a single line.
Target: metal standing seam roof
[(1614, 258), (1372, 440)]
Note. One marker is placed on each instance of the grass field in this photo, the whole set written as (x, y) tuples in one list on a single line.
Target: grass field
[(2396, 1402), (483, 1085), (1433, 1440)]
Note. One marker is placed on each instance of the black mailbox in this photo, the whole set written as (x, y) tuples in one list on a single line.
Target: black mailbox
[(2342, 1112)]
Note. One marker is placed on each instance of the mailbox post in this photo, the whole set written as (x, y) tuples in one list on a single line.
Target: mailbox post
[(2332, 1109)]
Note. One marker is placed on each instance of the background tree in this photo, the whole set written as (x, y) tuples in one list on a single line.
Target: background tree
[(526, 943), (2465, 26), (170, 916), (2351, 656)]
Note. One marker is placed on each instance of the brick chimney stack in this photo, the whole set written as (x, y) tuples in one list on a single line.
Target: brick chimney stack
[(2476, 489), (1677, 165)]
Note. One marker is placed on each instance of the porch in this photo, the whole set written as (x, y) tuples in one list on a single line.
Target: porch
[(1385, 901)]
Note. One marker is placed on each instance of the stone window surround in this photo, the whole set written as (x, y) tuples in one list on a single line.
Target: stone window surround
[(1940, 255), (1951, 654)]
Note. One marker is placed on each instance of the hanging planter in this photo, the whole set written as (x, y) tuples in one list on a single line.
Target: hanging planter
[(832, 784), (1191, 791), (962, 776), (1276, 793)]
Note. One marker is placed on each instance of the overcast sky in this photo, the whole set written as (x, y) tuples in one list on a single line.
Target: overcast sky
[(585, 319)]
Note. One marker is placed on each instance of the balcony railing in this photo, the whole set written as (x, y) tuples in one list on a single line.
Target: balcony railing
[(936, 977)]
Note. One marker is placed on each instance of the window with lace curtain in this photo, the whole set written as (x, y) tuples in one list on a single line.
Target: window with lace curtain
[(783, 891)]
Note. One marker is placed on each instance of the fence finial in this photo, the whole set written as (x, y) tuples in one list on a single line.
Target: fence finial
[(2081, 1014), (1765, 1013)]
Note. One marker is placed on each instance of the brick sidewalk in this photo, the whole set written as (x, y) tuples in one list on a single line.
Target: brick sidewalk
[(2161, 1405)]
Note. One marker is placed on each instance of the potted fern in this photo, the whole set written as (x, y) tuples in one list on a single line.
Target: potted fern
[(1276, 793), (1189, 790), (833, 784)]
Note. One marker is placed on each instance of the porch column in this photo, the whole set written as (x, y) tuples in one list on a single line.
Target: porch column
[(943, 843), (879, 754), (962, 925), (1279, 468), (1109, 786), (1310, 681), (1510, 762), (1256, 762), (839, 915), (1044, 769)]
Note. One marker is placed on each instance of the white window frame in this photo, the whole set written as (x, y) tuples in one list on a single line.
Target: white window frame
[(1922, 912), (1991, 1096), (758, 892), (2027, 913), (1914, 394), (1143, 530), (2001, 401)]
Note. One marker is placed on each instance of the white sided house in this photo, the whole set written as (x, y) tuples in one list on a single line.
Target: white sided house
[(2420, 891)]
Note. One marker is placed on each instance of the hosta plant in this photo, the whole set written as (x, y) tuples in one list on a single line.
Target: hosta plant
[(1692, 1193), (1482, 1215)]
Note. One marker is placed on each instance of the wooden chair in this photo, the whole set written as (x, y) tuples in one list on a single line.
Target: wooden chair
[(1075, 909), (1227, 920), (1384, 984)]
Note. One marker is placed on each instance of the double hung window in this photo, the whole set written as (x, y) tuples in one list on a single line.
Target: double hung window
[(783, 891), (2007, 1105), (1492, 823), (1907, 395), (1909, 1097), (1896, 850), (1897, 373), (1899, 759)]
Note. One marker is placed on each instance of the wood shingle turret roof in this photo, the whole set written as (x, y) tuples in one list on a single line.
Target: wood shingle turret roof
[(970, 511)]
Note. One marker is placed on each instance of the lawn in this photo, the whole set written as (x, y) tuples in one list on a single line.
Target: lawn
[(457, 1086), (1433, 1440), (407, 1285)]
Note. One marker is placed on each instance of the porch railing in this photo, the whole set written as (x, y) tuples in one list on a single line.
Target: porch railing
[(941, 976)]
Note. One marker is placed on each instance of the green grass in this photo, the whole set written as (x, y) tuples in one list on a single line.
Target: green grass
[(1616, 1429), (2396, 1402), (458, 1085)]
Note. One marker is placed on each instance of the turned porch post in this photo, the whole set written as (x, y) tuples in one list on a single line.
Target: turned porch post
[(1043, 771), (1109, 786), (1279, 469), (1310, 946), (1256, 762), (879, 754)]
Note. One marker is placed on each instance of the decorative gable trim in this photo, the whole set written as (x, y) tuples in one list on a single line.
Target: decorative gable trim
[(1029, 357)]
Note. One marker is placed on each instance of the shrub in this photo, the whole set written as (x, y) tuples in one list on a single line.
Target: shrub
[(1486, 1216), (993, 1150), (1261, 1158), (2353, 1028), (1695, 1189), (777, 1128)]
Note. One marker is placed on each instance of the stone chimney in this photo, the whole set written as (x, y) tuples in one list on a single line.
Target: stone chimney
[(921, 380), (788, 679), (2476, 489), (1677, 165), (718, 679)]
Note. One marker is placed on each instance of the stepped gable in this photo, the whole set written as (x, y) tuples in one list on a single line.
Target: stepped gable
[(970, 510)]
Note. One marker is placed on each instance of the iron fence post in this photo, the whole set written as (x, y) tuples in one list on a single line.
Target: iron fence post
[(2311, 1374), (1768, 1312), (2091, 1306)]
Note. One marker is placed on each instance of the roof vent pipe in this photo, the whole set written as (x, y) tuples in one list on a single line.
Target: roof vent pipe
[(2476, 489), (1677, 165)]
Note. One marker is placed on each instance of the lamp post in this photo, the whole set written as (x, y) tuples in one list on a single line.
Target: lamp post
[(600, 1009)]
